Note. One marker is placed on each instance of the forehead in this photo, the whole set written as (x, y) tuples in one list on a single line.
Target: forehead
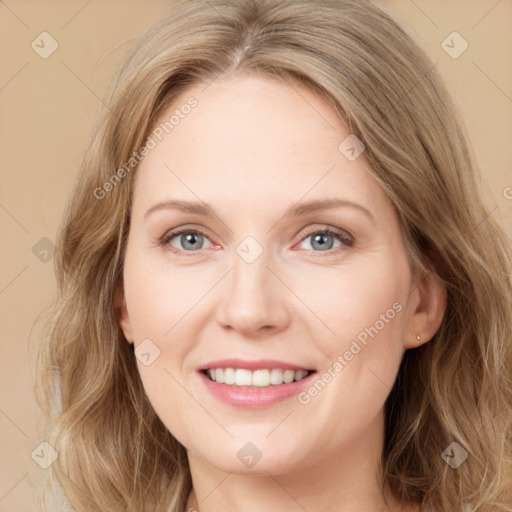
[(256, 139)]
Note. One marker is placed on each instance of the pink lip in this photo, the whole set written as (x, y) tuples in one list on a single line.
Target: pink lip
[(252, 397), (253, 365)]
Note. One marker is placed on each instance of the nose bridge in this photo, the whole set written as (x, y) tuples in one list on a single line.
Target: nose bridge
[(254, 297), (250, 285), (248, 275)]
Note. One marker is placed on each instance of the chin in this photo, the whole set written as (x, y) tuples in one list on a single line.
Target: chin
[(252, 457)]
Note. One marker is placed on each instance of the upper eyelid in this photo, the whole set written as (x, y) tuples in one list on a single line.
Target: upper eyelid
[(325, 227)]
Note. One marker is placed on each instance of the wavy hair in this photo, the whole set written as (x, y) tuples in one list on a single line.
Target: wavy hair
[(114, 452)]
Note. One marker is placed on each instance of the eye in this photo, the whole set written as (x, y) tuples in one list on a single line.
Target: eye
[(324, 240), (187, 240)]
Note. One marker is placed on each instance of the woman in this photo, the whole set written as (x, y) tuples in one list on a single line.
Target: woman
[(278, 285)]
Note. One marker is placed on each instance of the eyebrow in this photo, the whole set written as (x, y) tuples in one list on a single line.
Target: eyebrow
[(298, 209)]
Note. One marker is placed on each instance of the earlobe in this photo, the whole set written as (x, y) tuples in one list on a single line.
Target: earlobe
[(121, 313), (429, 312)]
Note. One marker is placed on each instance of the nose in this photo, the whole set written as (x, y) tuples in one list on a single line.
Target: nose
[(254, 299)]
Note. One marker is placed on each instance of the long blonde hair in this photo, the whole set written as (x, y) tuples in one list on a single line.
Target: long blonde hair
[(114, 452)]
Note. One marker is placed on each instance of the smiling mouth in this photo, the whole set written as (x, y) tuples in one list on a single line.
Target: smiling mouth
[(258, 378)]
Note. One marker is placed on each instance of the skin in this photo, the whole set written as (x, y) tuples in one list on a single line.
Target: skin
[(252, 148)]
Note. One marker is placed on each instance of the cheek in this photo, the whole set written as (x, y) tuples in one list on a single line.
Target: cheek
[(362, 303), (159, 296), (161, 306), (338, 306), (371, 315), (363, 313), (355, 313), (366, 311), (164, 303)]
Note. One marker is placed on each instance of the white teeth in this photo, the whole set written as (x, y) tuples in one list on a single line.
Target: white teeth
[(277, 376), (229, 376), (259, 378), (289, 376), (243, 377), (300, 374)]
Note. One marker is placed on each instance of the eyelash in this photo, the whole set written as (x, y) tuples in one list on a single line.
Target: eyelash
[(345, 239)]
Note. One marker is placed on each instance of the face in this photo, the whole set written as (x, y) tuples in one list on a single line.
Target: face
[(259, 277)]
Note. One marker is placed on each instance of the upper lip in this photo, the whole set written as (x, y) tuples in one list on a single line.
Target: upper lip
[(258, 364)]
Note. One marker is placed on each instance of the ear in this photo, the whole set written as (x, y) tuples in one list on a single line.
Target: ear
[(430, 298), (121, 313)]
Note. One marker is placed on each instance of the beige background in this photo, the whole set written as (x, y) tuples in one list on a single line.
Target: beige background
[(48, 109)]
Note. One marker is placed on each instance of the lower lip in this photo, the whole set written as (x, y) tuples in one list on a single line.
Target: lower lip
[(255, 397)]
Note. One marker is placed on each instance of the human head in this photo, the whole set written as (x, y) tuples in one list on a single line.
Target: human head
[(414, 148)]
